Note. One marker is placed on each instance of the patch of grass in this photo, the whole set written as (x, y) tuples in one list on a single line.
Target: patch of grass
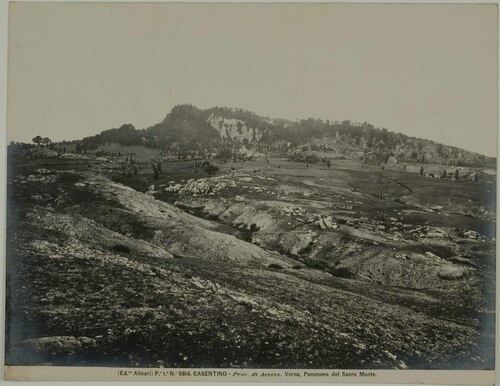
[(121, 248)]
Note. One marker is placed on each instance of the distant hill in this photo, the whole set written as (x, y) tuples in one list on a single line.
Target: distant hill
[(191, 129)]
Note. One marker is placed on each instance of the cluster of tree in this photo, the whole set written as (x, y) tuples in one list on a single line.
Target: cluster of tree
[(308, 158), (108, 154), (184, 123), (39, 140), (126, 135), (16, 148)]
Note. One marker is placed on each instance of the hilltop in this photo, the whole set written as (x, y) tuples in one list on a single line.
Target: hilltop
[(188, 130)]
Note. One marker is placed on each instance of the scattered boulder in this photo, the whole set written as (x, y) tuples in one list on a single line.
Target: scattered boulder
[(326, 223), (471, 235), (59, 344), (200, 187), (452, 272), (87, 342), (293, 211), (73, 156), (173, 188)]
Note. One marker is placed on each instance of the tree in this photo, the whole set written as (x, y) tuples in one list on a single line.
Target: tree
[(457, 174), (38, 140), (225, 154), (46, 141), (421, 170)]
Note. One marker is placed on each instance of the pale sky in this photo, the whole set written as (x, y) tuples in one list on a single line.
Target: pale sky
[(428, 71)]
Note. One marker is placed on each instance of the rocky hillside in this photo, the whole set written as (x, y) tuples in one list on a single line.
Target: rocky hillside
[(236, 129), (101, 273), (194, 130)]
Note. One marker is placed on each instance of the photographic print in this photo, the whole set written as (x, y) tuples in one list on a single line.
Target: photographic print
[(291, 192)]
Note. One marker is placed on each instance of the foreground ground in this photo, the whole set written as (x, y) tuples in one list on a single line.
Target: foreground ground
[(266, 264)]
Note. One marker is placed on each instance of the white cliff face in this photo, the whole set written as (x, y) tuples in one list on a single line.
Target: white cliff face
[(234, 128)]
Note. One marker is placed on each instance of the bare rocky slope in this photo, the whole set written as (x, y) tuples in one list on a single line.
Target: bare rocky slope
[(99, 273)]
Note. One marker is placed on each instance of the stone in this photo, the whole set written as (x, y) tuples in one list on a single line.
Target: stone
[(59, 344), (451, 272), (86, 341), (432, 256)]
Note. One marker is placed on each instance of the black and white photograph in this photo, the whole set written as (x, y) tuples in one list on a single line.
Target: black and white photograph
[(290, 192)]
